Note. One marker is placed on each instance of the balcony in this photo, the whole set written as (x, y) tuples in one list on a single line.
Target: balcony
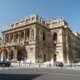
[(9, 44)]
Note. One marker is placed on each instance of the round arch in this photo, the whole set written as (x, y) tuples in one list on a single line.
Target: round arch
[(54, 36)]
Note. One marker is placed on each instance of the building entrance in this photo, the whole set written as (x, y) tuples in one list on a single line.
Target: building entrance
[(54, 57), (44, 57), (20, 55)]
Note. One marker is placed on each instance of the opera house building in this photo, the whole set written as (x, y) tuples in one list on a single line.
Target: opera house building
[(34, 39)]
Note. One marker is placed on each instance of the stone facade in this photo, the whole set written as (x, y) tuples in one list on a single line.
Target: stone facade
[(33, 39)]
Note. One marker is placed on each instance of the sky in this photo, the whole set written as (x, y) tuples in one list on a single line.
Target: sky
[(13, 10)]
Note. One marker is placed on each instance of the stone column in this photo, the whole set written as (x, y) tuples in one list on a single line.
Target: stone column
[(9, 37), (2, 56), (8, 52), (13, 37), (30, 34), (4, 38), (34, 33), (18, 36), (24, 36), (15, 54), (67, 54)]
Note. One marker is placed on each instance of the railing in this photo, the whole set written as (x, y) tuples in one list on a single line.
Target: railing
[(43, 65), (9, 44)]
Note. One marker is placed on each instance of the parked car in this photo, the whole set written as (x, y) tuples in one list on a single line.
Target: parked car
[(59, 64), (5, 63)]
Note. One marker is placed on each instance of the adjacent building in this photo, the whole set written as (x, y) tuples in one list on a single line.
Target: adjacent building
[(33, 39)]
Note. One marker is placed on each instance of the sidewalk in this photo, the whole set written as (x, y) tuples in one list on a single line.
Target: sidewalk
[(37, 65), (24, 67)]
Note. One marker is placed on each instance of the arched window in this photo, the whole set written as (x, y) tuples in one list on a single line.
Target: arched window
[(27, 33), (16, 36), (69, 38), (11, 37), (11, 54), (7, 37), (55, 37), (22, 34), (44, 36)]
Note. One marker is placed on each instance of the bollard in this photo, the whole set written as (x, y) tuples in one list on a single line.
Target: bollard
[(19, 63), (25, 64), (39, 64), (30, 63)]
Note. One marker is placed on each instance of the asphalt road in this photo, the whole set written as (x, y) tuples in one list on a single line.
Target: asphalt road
[(39, 74)]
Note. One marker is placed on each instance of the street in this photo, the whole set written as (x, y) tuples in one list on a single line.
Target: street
[(39, 74)]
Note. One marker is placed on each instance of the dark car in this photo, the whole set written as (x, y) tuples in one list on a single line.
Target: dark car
[(5, 63), (59, 64)]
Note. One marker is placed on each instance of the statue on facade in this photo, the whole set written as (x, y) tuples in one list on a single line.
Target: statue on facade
[(32, 34)]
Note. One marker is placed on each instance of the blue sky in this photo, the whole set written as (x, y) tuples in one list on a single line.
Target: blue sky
[(13, 10)]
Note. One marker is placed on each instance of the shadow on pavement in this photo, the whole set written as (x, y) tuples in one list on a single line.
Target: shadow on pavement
[(19, 76)]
